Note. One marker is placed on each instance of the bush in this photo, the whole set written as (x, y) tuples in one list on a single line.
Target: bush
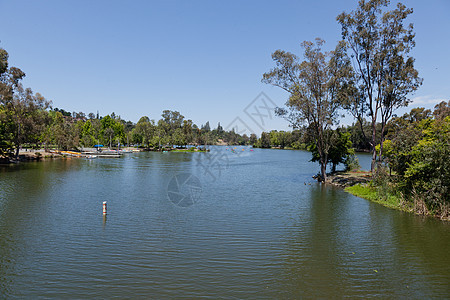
[(428, 173), (352, 163)]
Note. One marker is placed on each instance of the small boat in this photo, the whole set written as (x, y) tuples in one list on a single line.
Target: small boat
[(91, 156)]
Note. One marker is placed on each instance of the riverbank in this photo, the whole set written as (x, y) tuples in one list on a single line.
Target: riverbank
[(41, 154), (31, 155), (360, 184), (26, 155), (190, 150), (348, 179)]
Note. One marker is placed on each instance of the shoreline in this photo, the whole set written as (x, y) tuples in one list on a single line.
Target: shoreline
[(30, 155), (344, 179), (359, 184)]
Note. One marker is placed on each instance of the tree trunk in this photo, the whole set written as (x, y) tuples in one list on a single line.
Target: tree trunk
[(16, 155), (381, 144), (323, 171), (374, 152)]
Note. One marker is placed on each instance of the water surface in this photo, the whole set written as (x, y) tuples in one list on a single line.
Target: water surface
[(260, 227)]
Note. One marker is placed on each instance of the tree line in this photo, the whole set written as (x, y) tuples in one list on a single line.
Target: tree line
[(27, 118)]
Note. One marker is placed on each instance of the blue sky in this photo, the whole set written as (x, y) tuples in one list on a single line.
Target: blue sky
[(202, 58)]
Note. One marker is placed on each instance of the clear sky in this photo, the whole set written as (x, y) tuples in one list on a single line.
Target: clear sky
[(202, 58)]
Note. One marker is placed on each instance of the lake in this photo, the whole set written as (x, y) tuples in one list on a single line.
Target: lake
[(231, 223)]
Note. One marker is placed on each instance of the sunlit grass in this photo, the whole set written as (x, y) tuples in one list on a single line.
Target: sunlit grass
[(378, 195)]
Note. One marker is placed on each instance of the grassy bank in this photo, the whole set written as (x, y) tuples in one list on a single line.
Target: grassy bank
[(387, 196), (388, 191), (379, 195)]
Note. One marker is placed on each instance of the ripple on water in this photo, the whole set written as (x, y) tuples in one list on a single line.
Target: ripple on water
[(261, 229)]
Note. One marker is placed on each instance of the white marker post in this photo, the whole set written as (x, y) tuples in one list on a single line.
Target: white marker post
[(104, 207)]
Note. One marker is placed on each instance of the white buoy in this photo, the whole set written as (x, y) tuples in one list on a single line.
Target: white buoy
[(104, 207)]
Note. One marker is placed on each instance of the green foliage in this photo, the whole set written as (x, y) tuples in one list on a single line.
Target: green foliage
[(297, 145), (428, 173), (264, 141), (6, 145), (341, 148), (87, 134), (144, 131), (280, 139), (378, 43), (418, 152), (442, 110), (314, 85), (339, 151), (63, 133), (351, 163), (296, 139), (22, 113), (359, 133)]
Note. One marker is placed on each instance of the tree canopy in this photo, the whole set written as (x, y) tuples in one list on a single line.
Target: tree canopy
[(314, 85), (379, 46)]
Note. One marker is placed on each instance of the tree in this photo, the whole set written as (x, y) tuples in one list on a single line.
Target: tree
[(428, 172), (206, 127), (3, 61), (187, 131), (379, 45), (402, 137), (274, 138), (170, 122), (220, 130), (418, 114), (111, 128), (178, 138), (442, 110), (6, 146), (417, 150), (107, 129), (64, 133), (63, 112), (162, 133), (22, 111), (314, 86), (109, 135), (173, 118), (358, 135), (87, 134), (264, 140), (145, 128), (340, 149)]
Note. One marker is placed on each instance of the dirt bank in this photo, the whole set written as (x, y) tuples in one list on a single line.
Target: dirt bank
[(346, 179)]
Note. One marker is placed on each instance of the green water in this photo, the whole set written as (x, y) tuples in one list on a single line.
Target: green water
[(242, 224)]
